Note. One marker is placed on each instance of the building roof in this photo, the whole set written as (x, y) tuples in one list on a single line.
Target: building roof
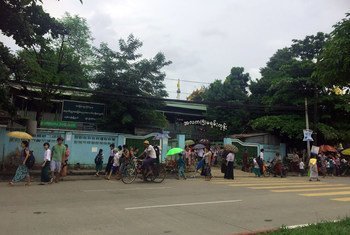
[(243, 136)]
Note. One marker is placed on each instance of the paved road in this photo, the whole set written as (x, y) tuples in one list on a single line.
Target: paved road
[(181, 207)]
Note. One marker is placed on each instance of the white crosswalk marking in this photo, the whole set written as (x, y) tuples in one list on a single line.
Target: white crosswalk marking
[(299, 186)]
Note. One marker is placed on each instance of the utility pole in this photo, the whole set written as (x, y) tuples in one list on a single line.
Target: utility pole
[(307, 128)]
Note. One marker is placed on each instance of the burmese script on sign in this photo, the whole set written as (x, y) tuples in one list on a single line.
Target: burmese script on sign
[(212, 124)]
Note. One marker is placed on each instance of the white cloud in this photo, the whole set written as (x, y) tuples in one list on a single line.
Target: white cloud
[(205, 38)]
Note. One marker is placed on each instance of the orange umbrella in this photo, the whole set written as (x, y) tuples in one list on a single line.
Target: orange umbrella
[(327, 148)]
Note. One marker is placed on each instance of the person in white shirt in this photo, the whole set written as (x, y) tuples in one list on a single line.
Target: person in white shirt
[(115, 166), (45, 166), (230, 158), (261, 154), (150, 157), (301, 168)]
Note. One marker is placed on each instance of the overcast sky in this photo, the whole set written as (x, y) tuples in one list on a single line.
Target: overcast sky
[(205, 38)]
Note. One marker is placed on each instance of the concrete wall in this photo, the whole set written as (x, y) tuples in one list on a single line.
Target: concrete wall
[(83, 145)]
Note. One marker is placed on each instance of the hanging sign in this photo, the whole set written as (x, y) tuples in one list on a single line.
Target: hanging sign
[(78, 111), (308, 135), (212, 124)]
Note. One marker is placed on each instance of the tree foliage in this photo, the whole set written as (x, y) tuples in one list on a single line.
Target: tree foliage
[(334, 64), (63, 60), (288, 78), (27, 22), (127, 74), (232, 90)]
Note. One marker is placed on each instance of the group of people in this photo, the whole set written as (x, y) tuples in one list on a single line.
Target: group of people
[(328, 164), (202, 159), (54, 160), (122, 155)]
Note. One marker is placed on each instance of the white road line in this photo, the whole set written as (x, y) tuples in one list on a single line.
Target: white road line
[(306, 225), (181, 204), (124, 189)]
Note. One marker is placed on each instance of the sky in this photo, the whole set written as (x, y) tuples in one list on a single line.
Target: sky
[(204, 38)]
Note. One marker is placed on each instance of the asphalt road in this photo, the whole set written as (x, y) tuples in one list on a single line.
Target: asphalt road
[(191, 206)]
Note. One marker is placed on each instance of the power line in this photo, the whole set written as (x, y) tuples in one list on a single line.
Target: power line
[(109, 94), (189, 81)]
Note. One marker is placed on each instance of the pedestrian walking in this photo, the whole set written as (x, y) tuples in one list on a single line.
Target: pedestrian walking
[(115, 166), (181, 167), (207, 163), (313, 169), (323, 159), (22, 171), (230, 158), (110, 160), (245, 161), (301, 167), (337, 165), (45, 166), (278, 166), (261, 161), (64, 169), (256, 167), (99, 162), (330, 166), (58, 155)]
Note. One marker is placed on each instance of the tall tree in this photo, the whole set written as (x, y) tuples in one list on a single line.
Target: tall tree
[(27, 22), (334, 62), (287, 79), (63, 60), (232, 92), (129, 75)]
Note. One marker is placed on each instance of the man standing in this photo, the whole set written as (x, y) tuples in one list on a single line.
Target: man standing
[(58, 155)]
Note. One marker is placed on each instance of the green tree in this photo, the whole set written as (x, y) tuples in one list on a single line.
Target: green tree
[(64, 60), (334, 62), (9, 64), (288, 78), (129, 75), (229, 97), (27, 22)]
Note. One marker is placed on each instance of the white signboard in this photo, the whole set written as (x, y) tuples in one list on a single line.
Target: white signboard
[(308, 135)]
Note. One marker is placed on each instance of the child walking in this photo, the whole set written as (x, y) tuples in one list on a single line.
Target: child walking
[(181, 167), (99, 162)]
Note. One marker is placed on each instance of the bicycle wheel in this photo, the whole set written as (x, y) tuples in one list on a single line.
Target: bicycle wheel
[(159, 173), (129, 174)]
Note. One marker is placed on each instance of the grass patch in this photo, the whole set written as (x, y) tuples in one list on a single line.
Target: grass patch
[(341, 227)]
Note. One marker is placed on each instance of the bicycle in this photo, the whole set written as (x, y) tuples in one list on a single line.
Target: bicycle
[(132, 169)]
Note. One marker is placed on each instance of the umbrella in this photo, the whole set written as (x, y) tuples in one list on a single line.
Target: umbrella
[(189, 142), (231, 148), (204, 141), (327, 148), (174, 151), (20, 135), (199, 146), (346, 152)]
